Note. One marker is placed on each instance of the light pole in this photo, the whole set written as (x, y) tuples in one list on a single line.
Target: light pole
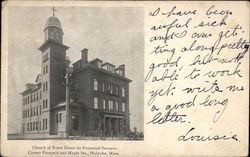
[(67, 77)]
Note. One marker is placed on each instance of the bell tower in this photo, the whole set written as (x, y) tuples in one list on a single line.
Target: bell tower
[(53, 68), (53, 29)]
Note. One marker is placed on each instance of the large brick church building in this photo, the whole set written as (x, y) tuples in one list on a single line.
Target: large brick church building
[(98, 93)]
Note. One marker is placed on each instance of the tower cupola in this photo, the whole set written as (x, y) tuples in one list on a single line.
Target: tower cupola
[(53, 29)]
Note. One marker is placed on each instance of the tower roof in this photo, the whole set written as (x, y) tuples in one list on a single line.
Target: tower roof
[(53, 22)]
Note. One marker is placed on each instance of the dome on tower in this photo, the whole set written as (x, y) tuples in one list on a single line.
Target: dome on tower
[(53, 22)]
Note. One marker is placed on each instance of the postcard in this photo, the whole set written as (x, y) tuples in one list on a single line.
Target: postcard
[(128, 78)]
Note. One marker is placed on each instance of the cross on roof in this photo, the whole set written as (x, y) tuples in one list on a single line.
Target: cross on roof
[(53, 9)]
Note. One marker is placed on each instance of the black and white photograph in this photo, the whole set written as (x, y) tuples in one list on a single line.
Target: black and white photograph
[(124, 78), (75, 73)]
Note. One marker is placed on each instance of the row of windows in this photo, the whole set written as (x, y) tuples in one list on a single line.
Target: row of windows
[(35, 110), (32, 98), (45, 86), (45, 69), (110, 88), (112, 105), (32, 112), (33, 126)]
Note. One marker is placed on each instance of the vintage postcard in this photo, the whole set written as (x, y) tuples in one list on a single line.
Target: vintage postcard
[(125, 78)]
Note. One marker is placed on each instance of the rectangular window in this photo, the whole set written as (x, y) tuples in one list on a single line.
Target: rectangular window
[(112, 89), (28, 125), (46, 124), (43, 104), (37, 110), (46, 103), (56, 118), (95, 103), (116, 106), (37, 96), (97, 123), (123, 92), (31, 98), (104, 104), (40, 126), (103, 87), (60, 117), (43, 123), (116, 90), (28, 112), (34, 126), (40, 95), (40, 109), (43, 70), (46, 86), (95, 85), (31, 112), (111, 104), (109, 87), (123, 107), (28, 100), (46, 69)]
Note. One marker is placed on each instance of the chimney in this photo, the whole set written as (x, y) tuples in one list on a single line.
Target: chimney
[(122, 68), (84, 56)]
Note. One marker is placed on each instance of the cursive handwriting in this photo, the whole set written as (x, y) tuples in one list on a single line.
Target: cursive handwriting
[(203, 138)]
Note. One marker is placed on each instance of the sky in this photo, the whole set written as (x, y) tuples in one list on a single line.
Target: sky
[(113, 34)]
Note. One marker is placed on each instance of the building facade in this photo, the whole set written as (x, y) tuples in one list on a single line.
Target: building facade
[(98, 93)]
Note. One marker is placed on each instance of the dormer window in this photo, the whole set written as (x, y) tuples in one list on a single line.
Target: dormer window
[(121, 72), (109, 67), (99, 64)]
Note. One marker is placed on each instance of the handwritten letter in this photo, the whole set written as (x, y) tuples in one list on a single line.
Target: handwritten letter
[(196, 74)]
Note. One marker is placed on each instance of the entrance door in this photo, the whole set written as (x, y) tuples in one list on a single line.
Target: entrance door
[(75, 130)]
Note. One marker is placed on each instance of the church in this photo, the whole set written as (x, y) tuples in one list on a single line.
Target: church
[(89, 98)]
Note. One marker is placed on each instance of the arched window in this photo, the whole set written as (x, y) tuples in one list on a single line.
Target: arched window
[(95, 85)]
